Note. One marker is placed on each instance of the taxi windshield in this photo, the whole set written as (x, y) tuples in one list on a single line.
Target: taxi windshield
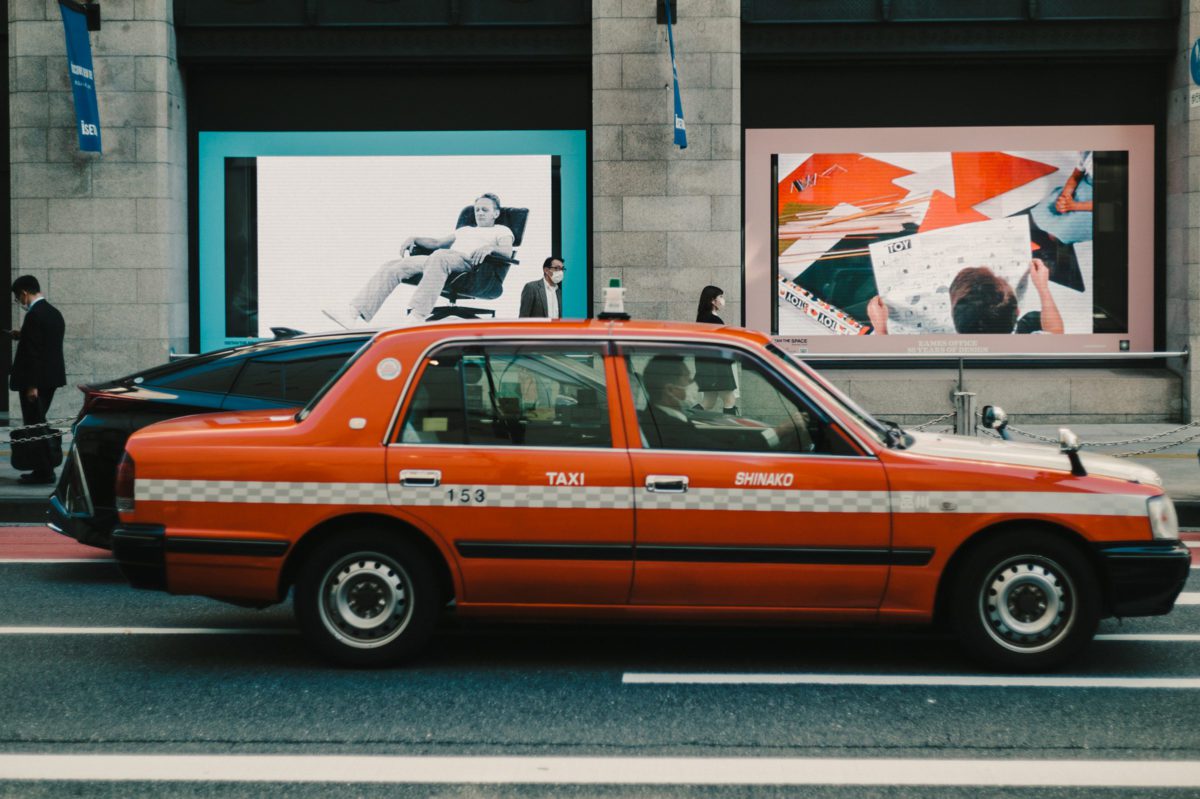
[(312, 403), (834, 396)]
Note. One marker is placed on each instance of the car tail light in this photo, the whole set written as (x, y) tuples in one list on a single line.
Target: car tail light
[(124, 488)]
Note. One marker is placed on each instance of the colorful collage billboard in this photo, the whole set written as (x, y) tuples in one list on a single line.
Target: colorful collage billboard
[(932, 250)]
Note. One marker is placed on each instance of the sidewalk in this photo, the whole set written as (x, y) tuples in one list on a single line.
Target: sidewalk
[(1176, 463)]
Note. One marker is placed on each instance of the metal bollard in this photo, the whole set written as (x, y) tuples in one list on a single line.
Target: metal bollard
[(965, 413)]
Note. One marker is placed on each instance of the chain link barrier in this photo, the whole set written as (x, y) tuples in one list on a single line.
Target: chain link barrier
[(56, 428), (1121, 443), (933, 421)]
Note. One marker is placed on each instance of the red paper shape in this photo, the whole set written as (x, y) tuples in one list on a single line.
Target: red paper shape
[(944, 212), (981, 176), (828, 179)]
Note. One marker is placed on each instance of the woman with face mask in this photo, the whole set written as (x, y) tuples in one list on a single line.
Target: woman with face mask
[(715, 377)]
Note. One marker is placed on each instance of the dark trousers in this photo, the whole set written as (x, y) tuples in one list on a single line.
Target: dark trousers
[(33, 411)]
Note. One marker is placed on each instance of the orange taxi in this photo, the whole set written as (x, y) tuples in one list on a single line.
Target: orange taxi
[(632, 470)]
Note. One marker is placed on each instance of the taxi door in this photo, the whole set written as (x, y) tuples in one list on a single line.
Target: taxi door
[(513, 454), (767, 504)]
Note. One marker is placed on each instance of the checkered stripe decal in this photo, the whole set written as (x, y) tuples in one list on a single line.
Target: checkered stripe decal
[(517, 496), (802, 501), (261, 492), (1072, 504), (771, 500), (622, 498)]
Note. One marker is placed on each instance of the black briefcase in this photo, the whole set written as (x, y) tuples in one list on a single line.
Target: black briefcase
[(37, 448)]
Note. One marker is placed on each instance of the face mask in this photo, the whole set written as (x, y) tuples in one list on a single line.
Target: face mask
[(556, 277), (720, 303), (676, 394)]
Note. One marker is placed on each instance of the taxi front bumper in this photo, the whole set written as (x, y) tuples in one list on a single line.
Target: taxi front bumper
[(1143, 578)]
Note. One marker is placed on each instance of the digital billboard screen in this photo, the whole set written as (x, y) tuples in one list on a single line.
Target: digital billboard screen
[(953, 250), (311, 230)]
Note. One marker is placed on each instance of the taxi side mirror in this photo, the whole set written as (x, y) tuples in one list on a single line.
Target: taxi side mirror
[(1068, 443)]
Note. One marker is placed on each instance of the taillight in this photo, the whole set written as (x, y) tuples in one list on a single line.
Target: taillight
[(124, 487), (89, 400)]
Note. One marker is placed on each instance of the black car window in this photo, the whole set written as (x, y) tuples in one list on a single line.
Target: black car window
[(292, 377), (210, 376)]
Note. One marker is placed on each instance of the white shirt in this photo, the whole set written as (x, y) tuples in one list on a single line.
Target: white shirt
[(1084, 164), (469, 239), (551, 299)]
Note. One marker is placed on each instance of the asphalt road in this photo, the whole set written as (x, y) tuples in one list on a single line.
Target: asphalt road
[(192, 677)]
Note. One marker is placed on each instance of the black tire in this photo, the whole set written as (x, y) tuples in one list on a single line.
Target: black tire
[(367, 598), (1025, 602)]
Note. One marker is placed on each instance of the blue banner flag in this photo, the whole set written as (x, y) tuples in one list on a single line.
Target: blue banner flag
[(83, 79), (680, 128)]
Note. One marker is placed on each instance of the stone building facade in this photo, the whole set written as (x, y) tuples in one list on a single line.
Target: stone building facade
[(113, 237)]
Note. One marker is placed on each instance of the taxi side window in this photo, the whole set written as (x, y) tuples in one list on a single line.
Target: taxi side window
[(701, 398), (511, 395)]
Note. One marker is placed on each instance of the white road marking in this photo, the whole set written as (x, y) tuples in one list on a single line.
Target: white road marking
[(57, 560), (1193, 544), (1188, 599), (147, 631), (458, 770), (938, 680), (1180, 637)]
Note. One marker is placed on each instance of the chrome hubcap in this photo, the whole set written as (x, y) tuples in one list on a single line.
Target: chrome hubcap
[(366, 599), (1026, 604)]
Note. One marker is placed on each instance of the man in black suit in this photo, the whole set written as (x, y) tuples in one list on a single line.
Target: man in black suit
[(543, 298), (38, 368)]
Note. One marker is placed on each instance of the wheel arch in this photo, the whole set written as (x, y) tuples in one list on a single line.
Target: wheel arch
[(332, 527), (1000, 529)]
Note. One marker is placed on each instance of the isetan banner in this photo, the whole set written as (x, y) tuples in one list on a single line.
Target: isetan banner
[(81, 75)]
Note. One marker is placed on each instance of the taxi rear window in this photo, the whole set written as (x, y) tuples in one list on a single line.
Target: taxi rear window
[(307, 409)]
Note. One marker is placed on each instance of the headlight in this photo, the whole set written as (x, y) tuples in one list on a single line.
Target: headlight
[(1163, 521)]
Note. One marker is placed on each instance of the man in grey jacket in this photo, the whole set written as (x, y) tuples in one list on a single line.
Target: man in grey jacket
[(543, 298)]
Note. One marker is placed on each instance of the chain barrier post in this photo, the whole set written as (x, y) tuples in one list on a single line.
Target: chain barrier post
[(964, 413)]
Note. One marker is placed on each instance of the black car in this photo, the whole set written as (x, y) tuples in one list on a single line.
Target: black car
[(279, 373)]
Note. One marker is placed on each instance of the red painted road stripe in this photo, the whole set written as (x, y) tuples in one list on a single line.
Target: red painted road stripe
[(42, 543), (1193, 538)]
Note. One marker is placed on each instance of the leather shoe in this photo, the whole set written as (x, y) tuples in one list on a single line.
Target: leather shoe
[(36, 479)]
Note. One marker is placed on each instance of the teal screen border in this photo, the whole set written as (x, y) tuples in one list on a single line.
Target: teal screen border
[(215, 146)]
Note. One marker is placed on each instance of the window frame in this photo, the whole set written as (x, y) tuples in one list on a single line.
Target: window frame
[(463, 348), (777, 379)]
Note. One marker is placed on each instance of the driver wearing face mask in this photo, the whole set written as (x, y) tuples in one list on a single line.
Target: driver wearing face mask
[(672, 420), (543, 298), (668, 381)]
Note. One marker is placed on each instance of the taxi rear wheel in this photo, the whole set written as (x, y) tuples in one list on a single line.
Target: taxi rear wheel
[(366, 598), (1025, 602)]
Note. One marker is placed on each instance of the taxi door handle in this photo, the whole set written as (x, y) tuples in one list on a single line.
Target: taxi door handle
[(667, 483), (420, 478)]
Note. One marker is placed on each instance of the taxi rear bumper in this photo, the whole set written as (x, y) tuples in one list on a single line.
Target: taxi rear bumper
[(1143, 578), (140, 552)]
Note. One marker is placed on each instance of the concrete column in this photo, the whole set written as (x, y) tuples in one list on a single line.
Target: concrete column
[(1183, 213), (667, 221), (105, 234)]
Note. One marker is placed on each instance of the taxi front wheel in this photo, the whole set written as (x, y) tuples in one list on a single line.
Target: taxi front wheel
[(1025, 602), (366, 598)]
